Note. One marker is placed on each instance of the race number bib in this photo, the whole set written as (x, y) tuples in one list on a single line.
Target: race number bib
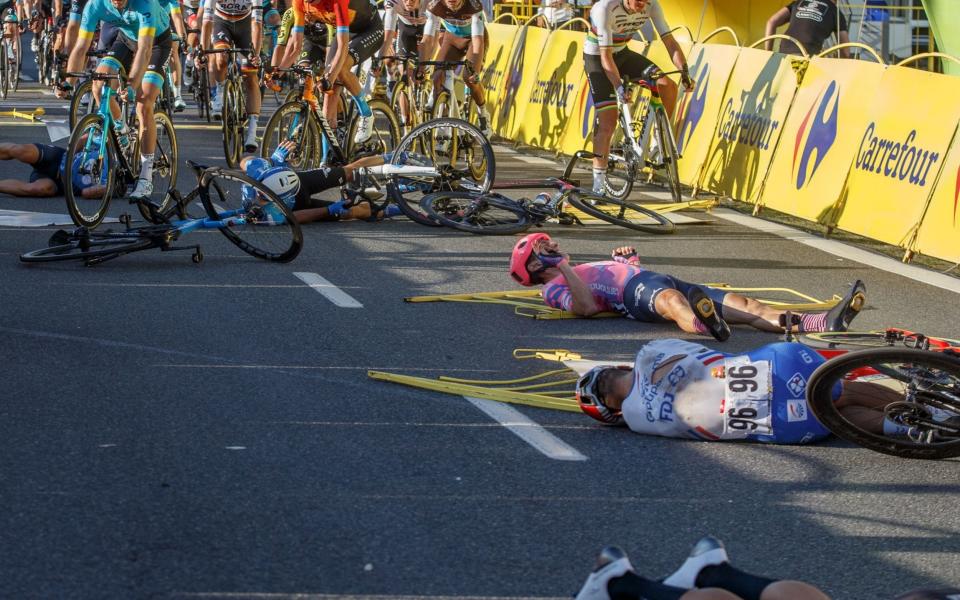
[(749, 390)]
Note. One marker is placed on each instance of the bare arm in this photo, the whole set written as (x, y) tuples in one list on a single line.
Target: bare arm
[(781, 17), (140, 61), (610, 67), (340, 57), (294, 46), (583, 303), (844, 38)]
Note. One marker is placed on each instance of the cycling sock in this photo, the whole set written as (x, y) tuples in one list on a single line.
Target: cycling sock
[(362, 107), (599, 179), (631, 586), (700, 327), (813, 322), (252, 121), (727, 577), (894, 428), (146, 167), (176, 90)]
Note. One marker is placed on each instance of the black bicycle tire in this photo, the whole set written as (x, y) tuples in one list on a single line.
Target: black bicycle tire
[(231, 136), (820, 399), (430, 201), (670, 154), (311, 132), (665, 226), (84, 87), (3, 68), (167, 206), (118, 246), (854, 340), (630, 175), (375, 104), (296, 239), (72, 208)]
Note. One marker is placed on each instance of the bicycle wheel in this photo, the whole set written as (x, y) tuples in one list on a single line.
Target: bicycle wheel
[(91, 149), (4, 69), (293, 122), (620, 212), (82, 102), (622, 170), (201, 91), (666, 165), (232, 124), (474, 157), (264, 228), (487, 214), (386, 132), (853, 340), (165, 160), (87, 249), (918, 390)]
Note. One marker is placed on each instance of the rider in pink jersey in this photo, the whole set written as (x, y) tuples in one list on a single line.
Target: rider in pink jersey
[(622, 285)]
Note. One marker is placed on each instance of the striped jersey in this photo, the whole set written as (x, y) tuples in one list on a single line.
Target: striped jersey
[(611, 26)]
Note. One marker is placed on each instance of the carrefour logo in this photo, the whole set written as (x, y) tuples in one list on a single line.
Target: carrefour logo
[(894, 159), (823, 133), (694, 112)]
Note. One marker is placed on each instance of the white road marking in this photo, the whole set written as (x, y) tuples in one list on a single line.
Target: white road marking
[(884, 263), (320, 368), (534, 160), (307, 596), (527, 430), (235, 447), (328, 290), (24, 218)]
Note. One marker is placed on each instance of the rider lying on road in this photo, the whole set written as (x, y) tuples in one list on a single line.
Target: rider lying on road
[(305, 207), (46, 180), (622, 285)]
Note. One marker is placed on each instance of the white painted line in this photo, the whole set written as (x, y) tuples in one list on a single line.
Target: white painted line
[(533, 160), (884, 263), (321, 368), (328, 290), (310, 596), (25, 218), (527, 430), (26, 77)]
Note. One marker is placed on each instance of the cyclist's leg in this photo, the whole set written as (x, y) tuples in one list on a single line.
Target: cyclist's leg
[(40, 184), (118, 59), (452, 48), (222, 38), (362, 47), (146, 97), (176, 72)]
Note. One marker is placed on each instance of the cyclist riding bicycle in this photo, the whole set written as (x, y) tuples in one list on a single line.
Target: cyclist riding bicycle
[(316, 38), (465, 35), (236, 23), (403, 23), (141, 49), (11, 34), (622, 285), (608, 60), (359, 34)]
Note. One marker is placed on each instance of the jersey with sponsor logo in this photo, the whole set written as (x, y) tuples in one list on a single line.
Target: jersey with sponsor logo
[(466, 21), (233, 10), (138, 19), (611, 26), (346, 15), (395, 11), (686, 390), (317, 32), (605, 279), (811, 23)]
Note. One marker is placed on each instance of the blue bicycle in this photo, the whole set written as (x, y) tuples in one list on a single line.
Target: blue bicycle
[(243, 210), (112, 162)]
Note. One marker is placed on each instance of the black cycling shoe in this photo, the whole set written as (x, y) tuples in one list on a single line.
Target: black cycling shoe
[(704, 308), (840, 316)]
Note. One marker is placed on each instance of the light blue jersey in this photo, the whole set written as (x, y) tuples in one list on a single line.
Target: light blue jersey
[(139, 18)]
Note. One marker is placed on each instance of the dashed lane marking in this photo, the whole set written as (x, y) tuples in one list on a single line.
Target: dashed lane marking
[(527, 430), (24, 218), (307, 596), (328, 290)]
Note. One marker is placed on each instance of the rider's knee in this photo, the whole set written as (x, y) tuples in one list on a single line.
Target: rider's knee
[(43, 187)]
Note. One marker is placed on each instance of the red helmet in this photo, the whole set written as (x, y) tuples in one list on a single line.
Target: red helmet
[(521, 254), (590, 401)]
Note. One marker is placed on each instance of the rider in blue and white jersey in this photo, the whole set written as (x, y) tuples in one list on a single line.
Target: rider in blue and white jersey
[(141, 50), (684, 390)]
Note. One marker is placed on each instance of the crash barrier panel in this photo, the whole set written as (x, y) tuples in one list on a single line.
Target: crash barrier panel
[(820, 135), (758, 98), (501, 37), (899, 154), (518, 79), (939, 233)]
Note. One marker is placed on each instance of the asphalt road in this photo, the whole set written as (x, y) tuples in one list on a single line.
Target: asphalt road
[(178, 430)]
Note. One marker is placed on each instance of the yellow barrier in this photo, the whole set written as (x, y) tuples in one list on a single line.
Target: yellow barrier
[(520, 74), (552, 91), (757, 101), (501, 38), (899, 154), (699, 111), (820, 136), (940, 230)]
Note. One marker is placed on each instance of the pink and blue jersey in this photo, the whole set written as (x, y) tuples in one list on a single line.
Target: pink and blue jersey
[(607, 280)]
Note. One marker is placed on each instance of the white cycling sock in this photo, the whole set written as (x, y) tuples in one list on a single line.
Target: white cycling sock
[(893, 428), (146, 167), (599, 180), (252, 122)]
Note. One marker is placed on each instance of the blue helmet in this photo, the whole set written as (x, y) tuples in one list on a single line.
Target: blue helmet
[(10, 18), (280, 180), (256, 166), (84, 172)]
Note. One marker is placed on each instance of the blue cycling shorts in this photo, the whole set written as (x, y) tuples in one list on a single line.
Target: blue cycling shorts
[(641, 291)]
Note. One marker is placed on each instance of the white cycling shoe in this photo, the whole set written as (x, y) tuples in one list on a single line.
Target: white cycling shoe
[(709, 551), (178, 104), (216, 105), (250, 143), (611, 563), (484, 122), (143, 190), (364, 130)]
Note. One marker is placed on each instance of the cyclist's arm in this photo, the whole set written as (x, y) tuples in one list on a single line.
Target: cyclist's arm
[(476, 39), (340, 10), (429, 40), (781, 17), (176, 17), (256, 27), (599, 19), (844, 38), (574, 296), (676, 53), (78, 56), (206, 24), (295, 41), (389, 29), (142, 58), (283, 33), (610, 67)]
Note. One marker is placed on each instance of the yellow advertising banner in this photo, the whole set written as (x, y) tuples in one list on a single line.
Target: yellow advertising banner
[(820, 137), (501, 37), (519, 79), (756, 103), (940, 230), (899, 153), (699, 110), (553, 90)]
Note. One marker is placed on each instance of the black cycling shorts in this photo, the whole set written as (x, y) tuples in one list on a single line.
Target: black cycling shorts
[(641, 291), (315, 181), (408, 39), (235, 33), (312, 52), (630, 64), (123, 51), (48, 165), (363, 44)]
